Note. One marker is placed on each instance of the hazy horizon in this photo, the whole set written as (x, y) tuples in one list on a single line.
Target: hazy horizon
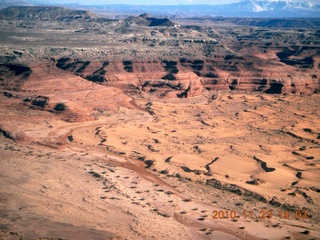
[(148, 2)]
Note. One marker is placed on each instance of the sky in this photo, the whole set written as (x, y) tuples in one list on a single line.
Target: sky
[(140, 2), (150, 2)]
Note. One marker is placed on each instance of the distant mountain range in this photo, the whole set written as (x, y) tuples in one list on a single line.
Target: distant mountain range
[(272, 8), (270, 5), (8, 3), (246, 8)]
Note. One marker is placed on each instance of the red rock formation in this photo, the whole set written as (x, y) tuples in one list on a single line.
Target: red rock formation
[(161, 76), (188, 77), (43, 86)]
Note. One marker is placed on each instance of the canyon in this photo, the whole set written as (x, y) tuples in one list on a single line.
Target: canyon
[(145, 127)]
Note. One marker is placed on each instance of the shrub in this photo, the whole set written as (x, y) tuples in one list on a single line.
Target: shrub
[(60, 107), (40, 101)]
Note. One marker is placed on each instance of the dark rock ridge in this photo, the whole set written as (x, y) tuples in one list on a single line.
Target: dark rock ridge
[(147, 20), (45, 14), (132, 23), (13, 75)]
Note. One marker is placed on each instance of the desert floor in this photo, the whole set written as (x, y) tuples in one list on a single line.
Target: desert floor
[(163, 169)]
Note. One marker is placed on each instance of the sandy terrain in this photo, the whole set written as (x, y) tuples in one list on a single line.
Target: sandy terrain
[(129, 174), (214, 135)]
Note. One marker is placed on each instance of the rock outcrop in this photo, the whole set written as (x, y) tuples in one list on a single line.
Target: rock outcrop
[(45, 14), (188, 77), (44, 87)]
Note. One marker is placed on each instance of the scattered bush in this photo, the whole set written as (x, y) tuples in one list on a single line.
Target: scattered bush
[(40, 101), (60, 107)]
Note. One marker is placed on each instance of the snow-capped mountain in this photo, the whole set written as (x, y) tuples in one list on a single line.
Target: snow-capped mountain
[(269, 8), (270, 5)]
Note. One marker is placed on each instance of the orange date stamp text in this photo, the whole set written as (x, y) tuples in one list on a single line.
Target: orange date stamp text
[(262, 214)]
